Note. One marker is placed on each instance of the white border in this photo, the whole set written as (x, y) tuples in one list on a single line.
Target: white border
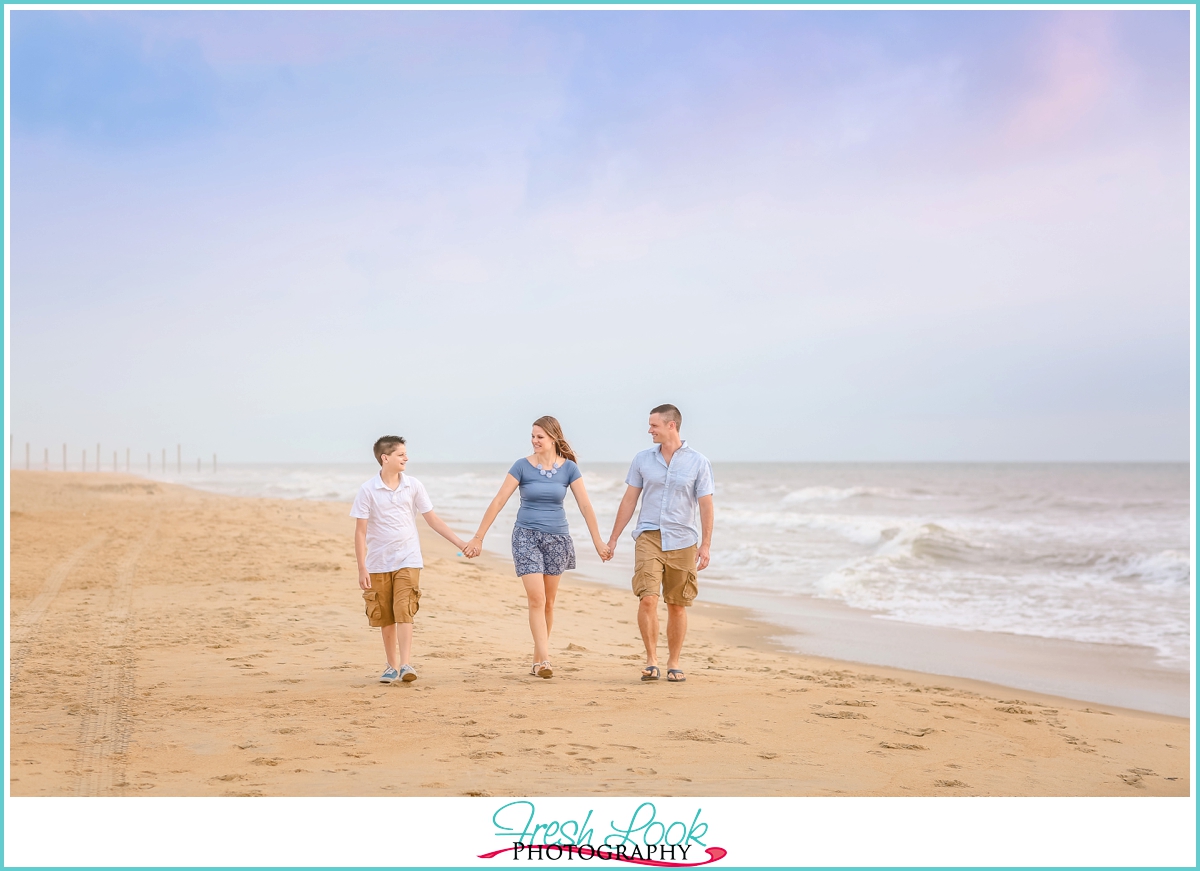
[(767, 832)]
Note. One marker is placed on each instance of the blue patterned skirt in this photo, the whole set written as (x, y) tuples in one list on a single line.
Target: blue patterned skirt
[(541, 553)]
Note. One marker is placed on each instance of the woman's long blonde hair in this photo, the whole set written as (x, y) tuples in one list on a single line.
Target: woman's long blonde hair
[(550, 426)]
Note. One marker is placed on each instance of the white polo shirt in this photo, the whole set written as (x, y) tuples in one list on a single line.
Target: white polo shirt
[(391, 516)]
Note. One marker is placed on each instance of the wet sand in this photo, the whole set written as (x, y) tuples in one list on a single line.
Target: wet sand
[(166, 641)]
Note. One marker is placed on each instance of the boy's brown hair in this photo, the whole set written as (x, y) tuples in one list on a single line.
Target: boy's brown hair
[(385, 445)]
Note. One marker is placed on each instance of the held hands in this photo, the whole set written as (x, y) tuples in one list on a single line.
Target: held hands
[(603, 550), (473, 548), (612, 549)]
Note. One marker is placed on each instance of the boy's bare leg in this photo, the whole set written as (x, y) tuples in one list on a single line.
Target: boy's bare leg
[(404, 643), (648, 623), (676, 630), (389, 646)]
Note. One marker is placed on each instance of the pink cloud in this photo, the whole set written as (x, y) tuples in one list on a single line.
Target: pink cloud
[(1076, 70)]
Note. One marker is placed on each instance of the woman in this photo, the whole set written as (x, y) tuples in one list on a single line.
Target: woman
[(541, 541)]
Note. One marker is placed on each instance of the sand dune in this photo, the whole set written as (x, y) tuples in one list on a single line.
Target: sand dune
[(167, 641)]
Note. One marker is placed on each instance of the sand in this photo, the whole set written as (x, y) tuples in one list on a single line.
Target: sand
[(166, 641)]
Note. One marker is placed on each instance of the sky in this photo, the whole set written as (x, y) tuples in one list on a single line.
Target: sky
[(824, 235)]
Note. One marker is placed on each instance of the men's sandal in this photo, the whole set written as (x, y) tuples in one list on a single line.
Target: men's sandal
[(407, 673), (544, 669), (675, 675), (650, 672)]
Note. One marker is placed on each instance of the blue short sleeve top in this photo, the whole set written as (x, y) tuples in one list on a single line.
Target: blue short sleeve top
[(542, 494)]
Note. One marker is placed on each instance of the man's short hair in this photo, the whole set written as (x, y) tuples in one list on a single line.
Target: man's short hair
[(669, 412), (385, 445)]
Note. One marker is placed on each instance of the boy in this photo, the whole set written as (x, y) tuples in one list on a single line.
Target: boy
[(389, 551)]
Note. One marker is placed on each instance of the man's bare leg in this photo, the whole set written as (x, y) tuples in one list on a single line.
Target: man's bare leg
[(676, 630), (648, 623), (391, 650)]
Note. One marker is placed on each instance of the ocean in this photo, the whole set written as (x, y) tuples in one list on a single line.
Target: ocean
[(1096, 554)]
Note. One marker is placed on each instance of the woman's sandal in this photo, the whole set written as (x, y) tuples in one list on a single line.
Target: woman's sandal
[(650, 672), (544, 669), (675, 671)]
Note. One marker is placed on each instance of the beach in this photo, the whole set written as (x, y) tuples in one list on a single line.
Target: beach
[(168, 641)]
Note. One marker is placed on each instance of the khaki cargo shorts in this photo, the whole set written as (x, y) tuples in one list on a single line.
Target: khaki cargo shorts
[(674, 571), (394, 597)]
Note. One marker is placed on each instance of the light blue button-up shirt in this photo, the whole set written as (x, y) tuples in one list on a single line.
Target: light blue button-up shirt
[(670, 494)]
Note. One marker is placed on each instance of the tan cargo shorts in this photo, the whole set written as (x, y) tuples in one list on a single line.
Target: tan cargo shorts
[(394, 597), (667, 573)]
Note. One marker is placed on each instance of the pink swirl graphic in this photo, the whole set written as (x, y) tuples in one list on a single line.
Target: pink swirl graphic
[(715, 854)]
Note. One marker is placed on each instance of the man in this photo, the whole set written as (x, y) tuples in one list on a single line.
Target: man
[(673, 481)]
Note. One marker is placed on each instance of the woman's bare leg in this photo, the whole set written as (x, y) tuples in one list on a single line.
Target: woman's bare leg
[(535, 595), (551, 587)]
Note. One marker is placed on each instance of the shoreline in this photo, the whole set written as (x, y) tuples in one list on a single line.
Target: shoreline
[(1118, 676), (741, 623), (223, 651)]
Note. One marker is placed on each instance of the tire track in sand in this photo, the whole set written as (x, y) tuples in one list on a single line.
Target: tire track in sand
[(105, 725), (24, 626)]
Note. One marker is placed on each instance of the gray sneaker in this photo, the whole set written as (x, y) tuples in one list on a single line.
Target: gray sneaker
[(407, 673), (390, 675)]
